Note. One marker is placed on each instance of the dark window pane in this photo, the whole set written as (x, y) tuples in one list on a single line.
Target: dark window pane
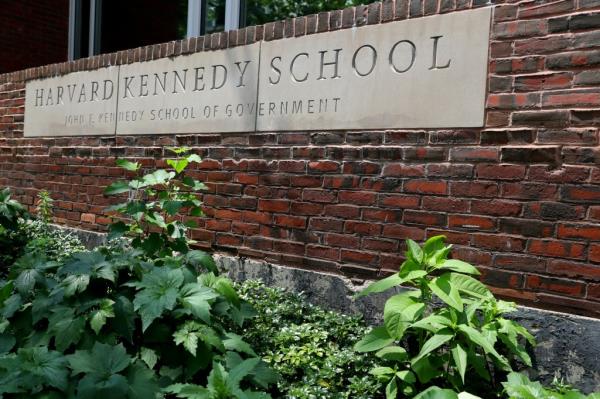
[(214, 16), (258, 12), (135, 23)]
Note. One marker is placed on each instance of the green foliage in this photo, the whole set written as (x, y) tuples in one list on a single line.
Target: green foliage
[(262, 11), (117, 324), (44, 206), (309, 347), (450, 327), (158, 205), (12, 240), (56, 244), (519, 386)]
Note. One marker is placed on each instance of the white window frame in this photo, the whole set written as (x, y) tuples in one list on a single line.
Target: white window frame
[(194, 23)]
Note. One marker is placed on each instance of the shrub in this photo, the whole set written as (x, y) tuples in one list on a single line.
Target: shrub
[(309, 347), (12, 239), (448, 328), (518, 386)]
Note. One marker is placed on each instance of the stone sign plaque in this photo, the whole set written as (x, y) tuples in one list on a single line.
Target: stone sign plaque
[(423, 73), (77, 104), (203, 92)]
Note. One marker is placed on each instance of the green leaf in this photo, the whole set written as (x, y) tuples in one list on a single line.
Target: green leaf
[(172, 207), (395, 353), (479, 339), (391, 389), (433, 244), (202, 259), (142, 382), (437, 340), (234, 342), (242, 370), (446, 291), (159, 176), (101, 361), (7, 342), (117, 230), (382, 372), (40, 363), (414, 251), (75, 283), (425, 370), (149, 357), (194, 158), (459, 355), (400, 311), (188, 337), (458, 266), (432, 323), (178, 164), (381, 285), (197, 298), (66, 327), (469, 286), (374, 340), (99, 316), (188, 391), (117, 187), (127, 165), (124, 321), (159, 290), (437, 393)]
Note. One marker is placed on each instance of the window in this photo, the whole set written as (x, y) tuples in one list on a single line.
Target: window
[(105, 26)]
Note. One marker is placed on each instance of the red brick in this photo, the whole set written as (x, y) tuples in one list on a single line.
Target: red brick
[(399, 201), (357, 197), (556, 285), (479, 154), (363, 228), (403, 232), (403, 170), (571, 269), (581, 194), (595, 253), (273, 205), (496, 207), (324, 167), (318, 196), (445, 204), (559, 249), (520, 263), (579, 231), (296, 222), (500, 171), (326, 224), (529, 191), (474, 189), (306, 208), (498, 242), (545, 81), (426, 187), (342, 211), (360, 257), (425, 218), (316, 251), (471, 222), (340, 240), (88, 218)]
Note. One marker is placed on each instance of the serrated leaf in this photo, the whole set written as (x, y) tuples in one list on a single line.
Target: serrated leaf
[(142, 382), (101, 361), (159, 290), (197, 298), (188, 337), (74, 284), (178, 164), (234, 342), (202, 259), (99, 316), (149, 357), (65, 327), (188, 391), (239, 372)]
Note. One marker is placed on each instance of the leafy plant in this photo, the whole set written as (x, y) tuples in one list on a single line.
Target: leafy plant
[(311, 348), (12, 239), (519, 386), (157, 205), (450, 327), (44, 206)]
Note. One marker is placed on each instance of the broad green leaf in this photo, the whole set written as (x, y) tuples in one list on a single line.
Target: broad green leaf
[(127, 165), (188, 391), (395, 353), (437, 393), (117, 230), (49, 366), (11, 305), (425, 370), (479, 339), (234, 342), (458, 266), (99, 316), (202, 259), (400, 311), (102, 360), (7, 342), (75, 283), (124, 321), (149, 357), (414, 251), (446, 291), (172, 207), (391, 389), (470, 286), (432, 323), (459, 355), (159, 290), (242, 370), (66, 327), (374, 340), (436, 341), (178, 164), (188, 337), (381, 285), (117, 187), (142, 382), (434, 244), (467, 395), (407, 376), (382, 371), (198, 298), (159, 176)]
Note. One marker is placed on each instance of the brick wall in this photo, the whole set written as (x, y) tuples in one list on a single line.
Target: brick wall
[(32, 33), (520, 197)]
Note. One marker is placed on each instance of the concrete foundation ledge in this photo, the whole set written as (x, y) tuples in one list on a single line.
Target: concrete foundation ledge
[(568, 345)]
